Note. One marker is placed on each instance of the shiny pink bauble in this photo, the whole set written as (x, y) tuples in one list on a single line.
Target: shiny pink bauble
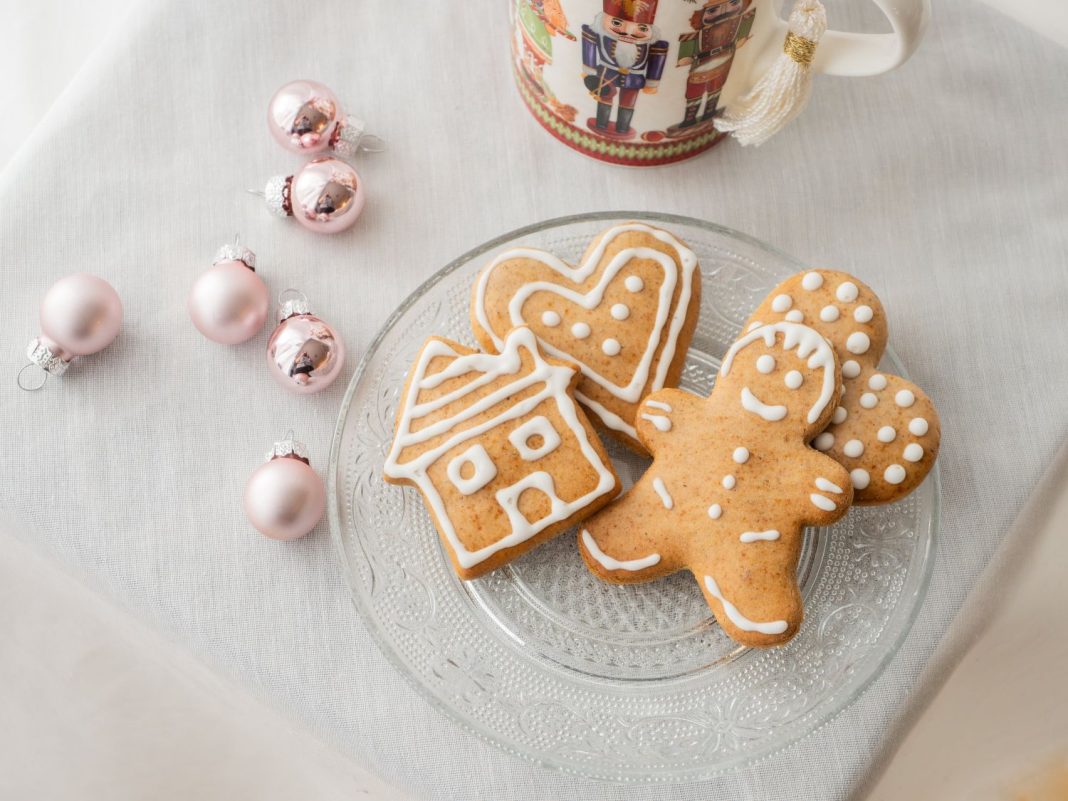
[(326, 195), (229, 303), (302, 116), (305, 354), (285, 498), (80, 314)]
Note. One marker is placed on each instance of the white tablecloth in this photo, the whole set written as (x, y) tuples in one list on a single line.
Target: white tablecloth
[(941, 184)]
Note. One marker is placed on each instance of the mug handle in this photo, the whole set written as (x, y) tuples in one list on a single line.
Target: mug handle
[(862, 54)]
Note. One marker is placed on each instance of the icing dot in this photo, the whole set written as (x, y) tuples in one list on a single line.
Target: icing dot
[(714, 511), (847, 292), (858, 342), (913, 452), (829, 314), (765, 363), (868, 400), (894, 474), (812, 281), (860, 478), (877, 381), (918, 426), (840, 414), (904, 398), (781, 303), (754, 325), (850, 369), (853, 448), (794, 316), (887, 434), (550, 318), (610, 346), (621, 311), (794, 379), (863, 314), (580, 330), (634, 283), (729, 482), (824, 442), (740, 455)]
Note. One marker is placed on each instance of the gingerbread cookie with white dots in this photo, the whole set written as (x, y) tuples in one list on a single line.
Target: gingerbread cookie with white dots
[(625, 315), (884, 429), (733, 483)]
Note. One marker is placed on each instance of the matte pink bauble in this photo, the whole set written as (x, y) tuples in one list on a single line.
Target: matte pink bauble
[(326, 195), (228, 303), (305, 354), (285, 498), (81, 314)]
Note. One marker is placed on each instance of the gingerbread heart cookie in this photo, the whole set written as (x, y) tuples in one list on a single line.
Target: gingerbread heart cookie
[(503, 455), (625, 315), (885, 429), (733, 483)]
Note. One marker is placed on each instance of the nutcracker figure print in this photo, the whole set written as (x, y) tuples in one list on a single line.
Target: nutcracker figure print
[(622, 56), (538, 21), (707, 51)]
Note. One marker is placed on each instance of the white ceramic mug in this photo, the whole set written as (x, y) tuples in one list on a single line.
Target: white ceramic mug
[(638, 82)]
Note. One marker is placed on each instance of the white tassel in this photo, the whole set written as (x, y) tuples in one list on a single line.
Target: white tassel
[(782, 92)]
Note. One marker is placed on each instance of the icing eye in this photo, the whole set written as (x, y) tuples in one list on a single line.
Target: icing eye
[(611, 347), (850, 369), (913, 452), (904, 398), (877, 382), (840, 415), (858, 343), (863, 314), (634, 283), (794, 316), (781, 303), (621, 311), (580, 330), (847, 292), (918, 426), (860, 478), (853, 448), (765, 363), (887, 434), (829, 314), (793, 379), (812, 281), (550, 318), (868, 400), (824, 442)]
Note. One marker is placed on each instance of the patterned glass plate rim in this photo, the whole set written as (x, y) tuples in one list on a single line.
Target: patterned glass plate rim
[(631, 684)]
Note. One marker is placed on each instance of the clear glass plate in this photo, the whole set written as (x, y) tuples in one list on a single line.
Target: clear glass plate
[(625, 683)]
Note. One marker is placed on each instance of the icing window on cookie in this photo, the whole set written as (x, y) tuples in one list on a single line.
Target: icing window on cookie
[(541, 482), (482, 470), (715, 511), (847, 292), (661, 422), (535, 438), (655, 404), (608, 563), (661, 490), (729, 482), (829, 314), (740, 620), (860, 478), (751, 403), (853, 449), (894, 474), (918, 426), (877, 382), (793, 379), (850, 369), (863, 314), (580, 330), (550, 318), (858, 343), (886, 434), (904, 398), (822, 502), (611, 347), (634, 283), (824, 442), (913, 452), (740, 455), (812, 281), (765, 363), (781, 303), (757, 536), (869, 400), (620, 311)]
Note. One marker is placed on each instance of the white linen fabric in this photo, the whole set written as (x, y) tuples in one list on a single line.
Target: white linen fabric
[(941, 185)]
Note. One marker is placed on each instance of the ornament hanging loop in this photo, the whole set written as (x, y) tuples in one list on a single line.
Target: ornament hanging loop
[(26, 386)]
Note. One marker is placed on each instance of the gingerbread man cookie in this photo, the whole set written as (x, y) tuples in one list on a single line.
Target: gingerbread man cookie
[(885, 429), (733, 483), (503, 455), (625, 315)]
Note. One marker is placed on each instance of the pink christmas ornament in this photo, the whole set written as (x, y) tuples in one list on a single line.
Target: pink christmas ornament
[(325, 195), (305, 117), (304, 353), (80, 315), (285, 498), (228, 303)]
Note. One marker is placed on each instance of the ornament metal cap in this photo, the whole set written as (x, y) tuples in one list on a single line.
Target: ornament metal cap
[(288, 448), (276, 195), (235, 252), (350, 136), (292, 302), (41, 355)]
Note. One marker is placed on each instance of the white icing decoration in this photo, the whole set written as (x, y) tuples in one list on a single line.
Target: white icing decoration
[(580, 330), (812, 281), (608, 417), (840, 415), (826, 485), (541, 481), (550, 318), (550, 382), (863, 314), (877, 382), (740, 455), (847, 292), (829, 314), (858, 342), (608, 563), (822, 502), (886, 434), (809, 345), (751, 403), (860, 478), (913, 452), (869, 400), (655, 404), (894, 474), (740, 620), (715, 511), (484, 470), (611, 347), (781, 303), (661, 422), (536, 426), (729, 482), (765, 363), (793, 379), (795, 316), (756, 536), (853, 449), (634, 283), (904, 398), (754, 324), (661, 490), (918, 426), (620, 311), (824, 442), (850, 369)]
